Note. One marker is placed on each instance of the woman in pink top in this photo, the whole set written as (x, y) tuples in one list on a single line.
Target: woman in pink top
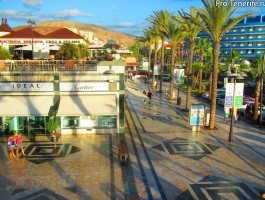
[(20, 144)]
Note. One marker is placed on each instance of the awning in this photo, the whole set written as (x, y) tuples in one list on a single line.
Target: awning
[(87, 105), (25, 105)]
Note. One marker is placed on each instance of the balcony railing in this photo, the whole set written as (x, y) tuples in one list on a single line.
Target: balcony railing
[(48, 65)]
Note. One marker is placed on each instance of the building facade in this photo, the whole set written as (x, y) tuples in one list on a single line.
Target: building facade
[(23, 42), (84, 100), (247, 37)]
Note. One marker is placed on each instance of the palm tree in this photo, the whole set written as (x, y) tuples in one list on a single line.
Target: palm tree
[(257, 71), (203, 47), (216, 20), (192, 30), (161, 19), (153, 31), (174, 34), (148, 39)]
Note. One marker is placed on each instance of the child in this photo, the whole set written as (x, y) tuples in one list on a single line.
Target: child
[(226, 114), (11, 143), (20, 144)]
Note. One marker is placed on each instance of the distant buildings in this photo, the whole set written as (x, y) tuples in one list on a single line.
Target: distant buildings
[(248, 37)]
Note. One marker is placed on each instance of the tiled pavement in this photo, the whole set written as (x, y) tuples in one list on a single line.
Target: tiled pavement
[(167, 160)]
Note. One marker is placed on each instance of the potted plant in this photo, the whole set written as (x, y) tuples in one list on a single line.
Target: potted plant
[(32, 135), (52, 126)]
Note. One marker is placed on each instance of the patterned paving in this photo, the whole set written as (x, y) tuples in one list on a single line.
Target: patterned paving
[(186, 148), (43, 194), (40, 153), (212, 187)]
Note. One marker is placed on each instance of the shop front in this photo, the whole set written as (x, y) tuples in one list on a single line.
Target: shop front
[(87, 107), (25, 106), (81, 102), (87, 113)]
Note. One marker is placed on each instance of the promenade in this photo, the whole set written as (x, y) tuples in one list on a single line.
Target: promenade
[(169, 161), (166, 159)]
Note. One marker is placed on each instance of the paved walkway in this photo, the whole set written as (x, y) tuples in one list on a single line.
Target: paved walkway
[(169, 161), (166, 161)]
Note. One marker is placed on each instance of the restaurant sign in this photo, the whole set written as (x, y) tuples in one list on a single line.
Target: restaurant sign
[(84, 87), (26, 87)]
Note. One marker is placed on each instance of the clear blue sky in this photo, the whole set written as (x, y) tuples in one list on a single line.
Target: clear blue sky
[(126, 16)]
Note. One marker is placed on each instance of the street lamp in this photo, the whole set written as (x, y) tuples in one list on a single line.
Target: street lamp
[(234, 76), (31, 25)]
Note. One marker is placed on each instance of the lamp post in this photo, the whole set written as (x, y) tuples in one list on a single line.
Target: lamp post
[(234, 76), (31, 25), (261, 94)]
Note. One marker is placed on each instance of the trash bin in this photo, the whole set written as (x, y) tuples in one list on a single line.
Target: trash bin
[(178, 101)]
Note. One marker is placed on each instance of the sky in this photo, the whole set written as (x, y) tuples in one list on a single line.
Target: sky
[(125, 16)]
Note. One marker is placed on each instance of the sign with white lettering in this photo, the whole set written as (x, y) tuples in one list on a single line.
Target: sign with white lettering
[(26, 87), (84, 87), (234, 97), (39, 41)]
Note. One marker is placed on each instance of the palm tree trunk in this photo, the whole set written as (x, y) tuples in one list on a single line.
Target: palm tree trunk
[(200, 75), (257, 97), (216, 53), (149, 60), (210, 85), (171, 86), (155, 62), (190, 74), (162, 64)]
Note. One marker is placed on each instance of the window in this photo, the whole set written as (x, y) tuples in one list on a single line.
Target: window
[(107, 121), (70, 122)]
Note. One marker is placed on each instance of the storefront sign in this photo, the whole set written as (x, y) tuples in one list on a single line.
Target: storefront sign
[(84, 87), (38, 41), (23, 86)]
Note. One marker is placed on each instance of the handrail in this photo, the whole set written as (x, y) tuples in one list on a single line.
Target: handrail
[(48, 65)]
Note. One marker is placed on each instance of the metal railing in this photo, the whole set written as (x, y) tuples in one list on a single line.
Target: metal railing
[(49, 65)]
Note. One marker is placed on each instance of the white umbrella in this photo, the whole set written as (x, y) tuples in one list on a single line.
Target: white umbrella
[(28, 48)]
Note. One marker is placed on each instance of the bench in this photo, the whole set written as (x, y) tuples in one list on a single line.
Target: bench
[(55, 137), (123, 154)]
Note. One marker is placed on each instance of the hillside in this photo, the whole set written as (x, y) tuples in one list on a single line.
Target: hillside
[(99, 32)]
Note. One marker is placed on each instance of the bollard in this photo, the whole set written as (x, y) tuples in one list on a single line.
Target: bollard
[(178, 101)]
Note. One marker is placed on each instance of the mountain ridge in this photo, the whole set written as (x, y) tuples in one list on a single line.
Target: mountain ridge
[(103, 34)]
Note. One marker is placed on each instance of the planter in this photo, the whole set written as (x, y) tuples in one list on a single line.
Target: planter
[(32, 139), (69, 65)]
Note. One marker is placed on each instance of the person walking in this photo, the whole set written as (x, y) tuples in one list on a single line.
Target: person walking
[(226, 114), (20, 144), (149, 94), (235, 114), (11, 144), (247, 111)]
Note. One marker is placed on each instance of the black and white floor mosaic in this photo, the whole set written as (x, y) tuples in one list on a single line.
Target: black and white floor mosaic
[(40, 153)]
